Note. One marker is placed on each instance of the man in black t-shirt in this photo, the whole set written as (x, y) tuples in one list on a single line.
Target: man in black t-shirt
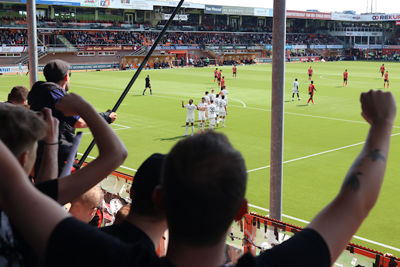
[(210, 196), (144, 223), (147, 85)]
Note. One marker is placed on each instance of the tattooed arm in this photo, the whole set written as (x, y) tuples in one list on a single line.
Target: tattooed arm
[(338, 221)]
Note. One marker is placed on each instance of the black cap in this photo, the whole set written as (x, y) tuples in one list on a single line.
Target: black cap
[(55, 70)]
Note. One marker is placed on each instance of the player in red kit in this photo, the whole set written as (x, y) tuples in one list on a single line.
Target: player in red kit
[(311, 89), (382, 69), (234, 69), (219, 77), (222, 82), (386, 80), (310, 72), (345, 77), (215, 74)]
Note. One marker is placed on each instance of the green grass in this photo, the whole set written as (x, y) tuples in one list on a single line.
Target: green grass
[(157, 123)]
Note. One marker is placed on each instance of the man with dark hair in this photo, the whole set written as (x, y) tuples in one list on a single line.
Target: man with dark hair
[(210, 195), (18, 96), (147, 85), (48, 94), (145, 222)]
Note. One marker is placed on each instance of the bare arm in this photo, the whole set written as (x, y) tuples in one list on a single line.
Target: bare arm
[(49, 166), (24, 201), (112, 152), (337, 222), (80, 124), (20, 200), (183, 106)]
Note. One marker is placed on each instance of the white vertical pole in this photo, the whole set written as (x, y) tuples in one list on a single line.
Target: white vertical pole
[(32, 41), (277, 108)]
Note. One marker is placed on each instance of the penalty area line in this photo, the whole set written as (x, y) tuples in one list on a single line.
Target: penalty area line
[(307, 222), (122, 166)]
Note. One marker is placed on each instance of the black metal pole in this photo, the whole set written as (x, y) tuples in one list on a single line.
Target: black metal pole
[(132, 81)]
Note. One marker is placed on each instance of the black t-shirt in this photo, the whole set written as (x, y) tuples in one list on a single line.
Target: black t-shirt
[(147, 82), (13, 250), (73, 243), (128, 233)]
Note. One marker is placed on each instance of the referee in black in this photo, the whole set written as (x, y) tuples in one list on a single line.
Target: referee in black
[(147, 85)]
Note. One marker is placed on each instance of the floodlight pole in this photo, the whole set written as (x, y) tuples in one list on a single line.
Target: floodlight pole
[(32, 41), (135, 76), (277, 108)]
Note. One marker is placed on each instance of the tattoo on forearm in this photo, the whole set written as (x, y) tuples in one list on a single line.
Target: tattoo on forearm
[(376, 155), (353, 182)]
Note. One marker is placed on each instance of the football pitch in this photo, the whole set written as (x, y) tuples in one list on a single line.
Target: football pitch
[(321, 140)]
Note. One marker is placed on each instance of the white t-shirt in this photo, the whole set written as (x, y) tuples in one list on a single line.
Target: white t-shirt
[(295, 87), (221, 105), (212, 110), (225, 93), (190, 109), (212, 97), (216, 102), (207, 98)]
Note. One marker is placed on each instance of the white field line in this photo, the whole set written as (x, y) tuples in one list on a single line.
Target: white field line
[(306, 222), (124, 167), (238, 100), (312, 116), (316, 154)]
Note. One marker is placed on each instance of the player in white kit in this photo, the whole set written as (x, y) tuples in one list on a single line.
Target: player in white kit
[(222, 111), (190, 115), (216, 102), (225, 94), (211, 114), (212, 95), (202, 113), (295, 89)]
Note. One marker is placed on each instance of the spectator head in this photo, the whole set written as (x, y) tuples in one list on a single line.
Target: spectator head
[(57, 71), (147, 178), (122, 214), (85, 206), (20, 130), (18, 96), (209, 194)]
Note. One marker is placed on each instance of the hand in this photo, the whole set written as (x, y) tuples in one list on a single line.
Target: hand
[(113, 116), (52, 127), (378, 107), (71, 104)]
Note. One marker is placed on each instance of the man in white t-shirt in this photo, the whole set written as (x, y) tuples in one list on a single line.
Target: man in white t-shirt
[(190, 115), (222, 111), (202, 113), (211, 114), (207, 97), (216, 102), (295, 89), (212, 95), (225, 94)]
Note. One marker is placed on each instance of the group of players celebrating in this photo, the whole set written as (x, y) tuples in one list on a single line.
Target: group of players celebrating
[(212, 107)]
